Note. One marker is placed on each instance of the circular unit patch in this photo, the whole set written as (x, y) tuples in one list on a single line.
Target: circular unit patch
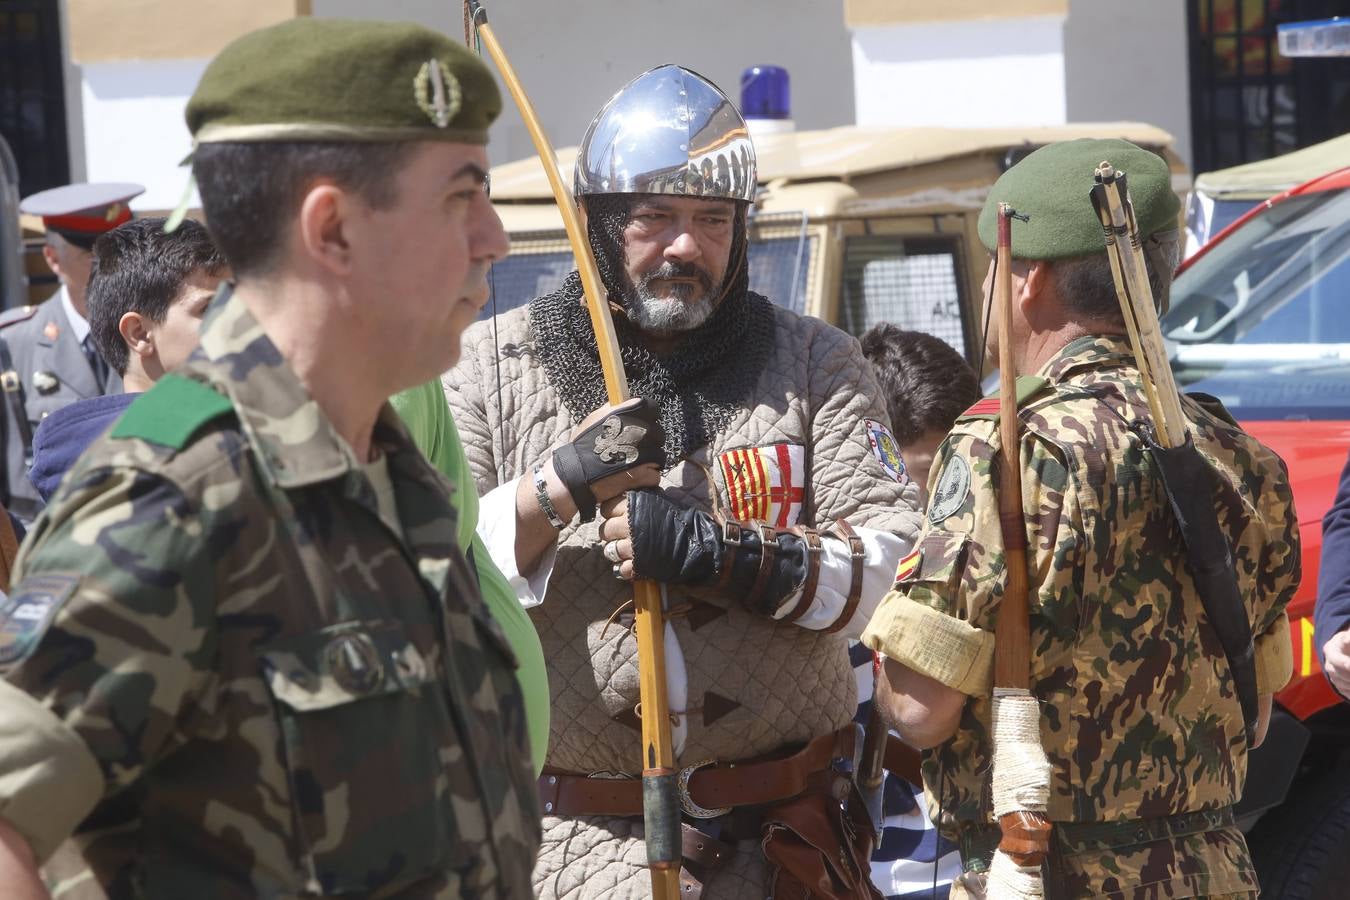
[(953, 486)]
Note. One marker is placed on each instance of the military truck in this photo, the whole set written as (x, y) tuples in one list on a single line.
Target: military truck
[(852, 225)]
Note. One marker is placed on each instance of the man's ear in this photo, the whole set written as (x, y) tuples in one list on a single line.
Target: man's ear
[(1035, 283), (53, 259), (135, 331), (323, 222)]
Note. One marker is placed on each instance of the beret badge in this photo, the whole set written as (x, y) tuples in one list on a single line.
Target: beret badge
[(437, 92)]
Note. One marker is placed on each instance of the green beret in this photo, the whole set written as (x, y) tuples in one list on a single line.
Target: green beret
[(343, 80), (1052, 186)]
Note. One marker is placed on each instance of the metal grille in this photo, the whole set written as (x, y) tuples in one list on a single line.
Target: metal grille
[(32, 99), (1247, 101), (909, 282), (780, 264)]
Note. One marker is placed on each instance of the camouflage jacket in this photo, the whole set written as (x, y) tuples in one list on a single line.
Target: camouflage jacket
[(230, 678), (1140, 717)]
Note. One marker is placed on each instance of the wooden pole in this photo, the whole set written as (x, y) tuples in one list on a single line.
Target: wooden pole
[(660, 797), (1025, 833)]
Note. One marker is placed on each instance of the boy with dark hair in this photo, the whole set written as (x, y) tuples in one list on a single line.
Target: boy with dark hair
[(147, 294), (926, 383)]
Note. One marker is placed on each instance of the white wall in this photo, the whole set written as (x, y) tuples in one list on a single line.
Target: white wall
[(989, 72), (572, 56), (1129, 61), (133, 125)]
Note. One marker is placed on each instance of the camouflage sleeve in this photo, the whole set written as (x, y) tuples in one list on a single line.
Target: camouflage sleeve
[(1280, 570), (855, 469), (939, 619), (106, 643)]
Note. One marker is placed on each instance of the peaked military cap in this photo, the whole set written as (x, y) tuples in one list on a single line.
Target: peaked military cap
[(1052, 186), (81, 212), (344, 80)]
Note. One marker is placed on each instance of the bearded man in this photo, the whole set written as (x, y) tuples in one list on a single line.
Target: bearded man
[(775, 529)]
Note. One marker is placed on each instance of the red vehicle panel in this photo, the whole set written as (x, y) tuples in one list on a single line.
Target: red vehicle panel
[(1260, 315)]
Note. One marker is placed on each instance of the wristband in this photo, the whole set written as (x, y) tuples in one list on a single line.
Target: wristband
[(541, 494)]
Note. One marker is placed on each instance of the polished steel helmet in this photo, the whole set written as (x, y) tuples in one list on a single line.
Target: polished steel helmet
[(668, 131)]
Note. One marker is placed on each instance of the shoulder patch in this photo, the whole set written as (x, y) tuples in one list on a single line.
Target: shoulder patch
[(951, 490), (17, 315), (885, 449), (1028, 386), (909, 565), (25, 616), (171, 412)]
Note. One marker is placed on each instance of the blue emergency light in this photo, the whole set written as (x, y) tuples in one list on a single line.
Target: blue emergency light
[(1324, 37), (765, 93)]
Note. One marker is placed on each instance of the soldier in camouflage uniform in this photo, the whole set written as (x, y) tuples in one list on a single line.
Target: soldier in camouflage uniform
[(245, 657), (1140, 719)]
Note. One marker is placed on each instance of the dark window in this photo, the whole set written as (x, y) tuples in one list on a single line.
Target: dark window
[(32, 99), (1247, 101)]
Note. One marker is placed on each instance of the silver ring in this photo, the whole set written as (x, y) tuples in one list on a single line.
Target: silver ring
[(616, 568), (611, 552)]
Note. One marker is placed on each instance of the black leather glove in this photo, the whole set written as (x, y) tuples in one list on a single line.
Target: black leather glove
[(677, 545), (629, 437)]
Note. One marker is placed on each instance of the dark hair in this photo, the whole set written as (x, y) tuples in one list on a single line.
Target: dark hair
[(1087, 288), (250, 191), (138, 268), (926, 383)]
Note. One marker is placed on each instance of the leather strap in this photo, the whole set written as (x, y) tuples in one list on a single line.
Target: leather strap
[(857, 552), (744, 784), (768, 550), (814, 546), (731, 547)]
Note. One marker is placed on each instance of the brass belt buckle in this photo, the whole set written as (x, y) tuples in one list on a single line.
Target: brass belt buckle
[(687, 803)]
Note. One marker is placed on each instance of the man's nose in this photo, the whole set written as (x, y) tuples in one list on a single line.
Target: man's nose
[(490, 240), (684, 247)]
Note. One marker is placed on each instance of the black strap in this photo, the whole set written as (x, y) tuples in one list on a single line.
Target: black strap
[(567, 466)]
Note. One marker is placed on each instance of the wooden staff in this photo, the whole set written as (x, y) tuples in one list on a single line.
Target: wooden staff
[(1026, 831), (660, 790)]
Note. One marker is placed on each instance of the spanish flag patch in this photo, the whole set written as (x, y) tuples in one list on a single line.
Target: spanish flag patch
[(909, 565)]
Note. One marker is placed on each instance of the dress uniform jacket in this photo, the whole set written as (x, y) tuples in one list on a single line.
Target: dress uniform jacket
[(238, 663), (51, 371), (1140, 719)]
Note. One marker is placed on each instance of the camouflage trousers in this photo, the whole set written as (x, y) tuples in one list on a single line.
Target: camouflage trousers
[(1185, 856), (970, 886)]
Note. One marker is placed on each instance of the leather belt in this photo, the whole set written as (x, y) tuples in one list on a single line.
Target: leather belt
[(708, 790), (705, 791)]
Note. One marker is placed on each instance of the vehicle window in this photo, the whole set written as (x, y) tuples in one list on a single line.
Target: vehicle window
[(1261, 320), (910, 282), (778, 269)]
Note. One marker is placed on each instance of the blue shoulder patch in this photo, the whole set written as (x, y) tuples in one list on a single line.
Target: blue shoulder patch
[(27, 613)]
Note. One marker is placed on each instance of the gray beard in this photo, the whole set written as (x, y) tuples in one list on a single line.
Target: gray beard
[(675, 313), (668, 315)]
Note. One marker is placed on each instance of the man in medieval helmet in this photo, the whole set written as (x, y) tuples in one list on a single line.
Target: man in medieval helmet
[(781, 510)]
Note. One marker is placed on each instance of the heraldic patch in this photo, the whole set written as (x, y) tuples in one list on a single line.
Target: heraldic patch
[(885, 449), (767, 484)]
